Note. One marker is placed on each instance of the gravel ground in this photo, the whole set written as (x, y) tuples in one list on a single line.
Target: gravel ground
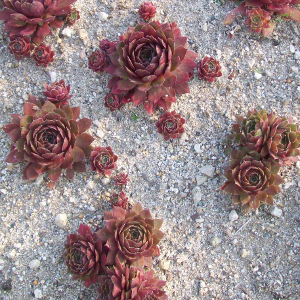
[(208, 252)]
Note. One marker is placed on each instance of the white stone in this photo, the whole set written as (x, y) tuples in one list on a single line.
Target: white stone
[(40, 179), (202, 284), (292, 48), (197, 197), (91, 184), (12, 253), (181, 258), (38, 294), (276, 212), (105, 180), (201, 179), (215, 241), (295, 69), (83, 34), (82, 54), (67, 32), (61, 220), (204, 27), (233, 216), (52, 76), (164, 264), (3, 191), (244, 253), (208, 170), (251, 63), (103, 16), (297, 55), (197, 148), (257, 75), (34, 264)]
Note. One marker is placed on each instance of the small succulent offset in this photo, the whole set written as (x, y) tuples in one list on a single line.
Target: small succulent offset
[(58, 93), (170, 125), (121, 179), (50, 139), (147, 11), (97, 61), (20, 46), (34, 17), (83, 255), (43, 55), (150, 64), (209, 69), (103, 160), (72, 16), (272, 136), (120, 200), (266, 142), (261, 14), (132, 235), (113, 101), (251, 179)]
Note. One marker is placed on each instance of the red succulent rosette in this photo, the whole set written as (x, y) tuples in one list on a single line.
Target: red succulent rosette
[(97, 61), (58, 93), (43, 55), (72, 17), (147, 11), (20, 46), (119, 200), (34, 17), (170, 125), (251, 179), (129, 282), (50, 139), (151, 63), (258, 19), (209, 69), (113, 101), (105, 44), (131, 235), (121, 179), (103, 160), (82, 254)]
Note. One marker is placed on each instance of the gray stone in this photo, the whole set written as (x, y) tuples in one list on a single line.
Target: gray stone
[(276, 212), (297, 55), (201, 179), (233, 216), (34, 264), (52, 76), (61, 220), (208, 170), (38, 294), (215, 241), (103, 16)]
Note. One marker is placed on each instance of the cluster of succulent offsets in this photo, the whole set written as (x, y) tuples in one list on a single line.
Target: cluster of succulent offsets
[(29, 21), (265, 143), (51, 138), (117, 258), (261, 14)]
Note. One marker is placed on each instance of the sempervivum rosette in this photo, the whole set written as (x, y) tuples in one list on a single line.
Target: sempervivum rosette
[(20, 46), (126, 282), (83, 255), (58, 93), (49, 139), (270, 135), (132, 235), (170, 125), (153, 63), (34, 17), (251, 180)]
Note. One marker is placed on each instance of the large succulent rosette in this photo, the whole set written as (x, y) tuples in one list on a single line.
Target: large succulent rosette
[(50, 139), (34, 17), (131, 235), (270, 135), (153, 63), (83, 255), (252, 180), (126, 282)]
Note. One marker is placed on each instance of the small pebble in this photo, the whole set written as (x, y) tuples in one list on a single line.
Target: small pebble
[(82, 34), (233, 216), (204, 27), (292, 48), (103, 16), (244, 253), (80, 216), (208, 170), (257, 75), (297, 55), (215, 241), (197, 148), (202, 284), (105, 180), (61, 220), (276, 212), (38, 294), (6, 285), (201, 179), (52, 79), (67, 32), (34, 264), (164, 264)]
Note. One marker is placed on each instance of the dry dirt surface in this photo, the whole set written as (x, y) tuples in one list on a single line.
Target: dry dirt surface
[(209, 256)]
